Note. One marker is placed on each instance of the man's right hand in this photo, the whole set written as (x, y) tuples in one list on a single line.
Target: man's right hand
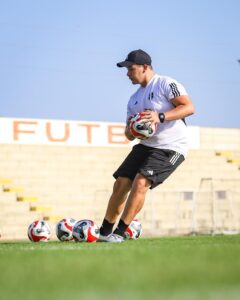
[(128, 133)]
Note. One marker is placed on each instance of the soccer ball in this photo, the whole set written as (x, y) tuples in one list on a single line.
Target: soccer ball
[(140, 128), (64, 229), (85, 231), (39, 231), (133, 231)]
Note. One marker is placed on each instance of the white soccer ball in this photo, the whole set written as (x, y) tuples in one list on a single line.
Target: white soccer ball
[(134, 230), (85, 231), (141, 128), (39, 231), (64, 229)]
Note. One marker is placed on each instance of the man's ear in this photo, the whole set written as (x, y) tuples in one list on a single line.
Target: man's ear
[(145, 67)]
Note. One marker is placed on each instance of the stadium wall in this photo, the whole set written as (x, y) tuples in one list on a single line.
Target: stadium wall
[(52, 169)]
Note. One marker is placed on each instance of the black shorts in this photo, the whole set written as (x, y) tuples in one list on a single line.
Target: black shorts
[(155, 164)]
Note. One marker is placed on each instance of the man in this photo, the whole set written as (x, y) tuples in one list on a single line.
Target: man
[(165, 103)]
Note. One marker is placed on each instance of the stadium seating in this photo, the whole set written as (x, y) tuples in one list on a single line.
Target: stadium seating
[(51, 182)]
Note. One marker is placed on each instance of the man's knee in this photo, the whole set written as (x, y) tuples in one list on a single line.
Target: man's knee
[(122, 185), (141, 183)]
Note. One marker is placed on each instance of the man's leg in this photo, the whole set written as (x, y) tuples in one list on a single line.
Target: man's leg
[(134, 202), (117, 200), (116, 204)]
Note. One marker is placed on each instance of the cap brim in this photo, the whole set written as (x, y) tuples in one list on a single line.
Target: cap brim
[(125, 63)]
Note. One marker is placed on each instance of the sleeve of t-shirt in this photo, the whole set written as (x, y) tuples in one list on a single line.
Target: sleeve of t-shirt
[(172, 88)]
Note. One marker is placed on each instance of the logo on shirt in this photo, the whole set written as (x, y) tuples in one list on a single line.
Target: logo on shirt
[(150, 96)]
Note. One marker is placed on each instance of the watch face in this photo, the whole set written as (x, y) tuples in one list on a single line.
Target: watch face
[(161, 117)]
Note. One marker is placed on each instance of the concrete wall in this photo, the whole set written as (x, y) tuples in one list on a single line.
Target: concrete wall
[(203, 195), (220, 138)]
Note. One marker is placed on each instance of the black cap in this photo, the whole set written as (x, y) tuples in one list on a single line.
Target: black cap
[(138, 57)]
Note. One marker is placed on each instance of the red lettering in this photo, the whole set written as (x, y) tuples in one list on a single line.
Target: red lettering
[(17, 130), (121, 138), (89, 128), (52, 139)]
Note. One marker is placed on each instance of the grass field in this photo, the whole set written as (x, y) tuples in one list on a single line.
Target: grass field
[(200, 267)]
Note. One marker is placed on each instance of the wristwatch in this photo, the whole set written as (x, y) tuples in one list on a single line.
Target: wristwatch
[(161, 117)]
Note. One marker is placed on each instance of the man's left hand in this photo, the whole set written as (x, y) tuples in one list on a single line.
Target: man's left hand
[(151, 116)]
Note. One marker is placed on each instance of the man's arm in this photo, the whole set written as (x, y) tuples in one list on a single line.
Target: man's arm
[(183, 108), (127, 132)]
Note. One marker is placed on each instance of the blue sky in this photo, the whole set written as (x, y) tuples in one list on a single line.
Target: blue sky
[(58, 58)]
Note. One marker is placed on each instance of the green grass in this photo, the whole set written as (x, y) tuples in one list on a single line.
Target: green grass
[(200, 267)]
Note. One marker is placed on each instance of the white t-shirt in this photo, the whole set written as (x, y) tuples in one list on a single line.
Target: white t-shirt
[(157, 96)]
